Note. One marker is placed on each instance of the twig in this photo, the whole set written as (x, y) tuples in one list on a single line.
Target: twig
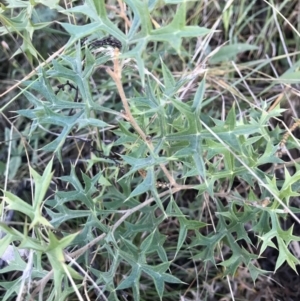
[(117, 76)]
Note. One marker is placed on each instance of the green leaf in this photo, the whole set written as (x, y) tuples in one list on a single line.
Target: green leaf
[(96, 11), (169, 81), (269, 155), (289, 180), (85, 122), (141, 17), (143, 163), (147, 184), (136, 54), (198, 98), (11, 288), (185, 225), (159, 277), (5, 241), (285, 255), (290, 77), (229, 52), (230, 122), (146, 244), (129, 280), (255, 272), (41, 187), (209, 243), (178, 1), (99, 6), (231, 264), (52, 4), (56, 247), (55, 254), (267, 241), (79, 31), (176, 30), (16, 263), (17, 204)]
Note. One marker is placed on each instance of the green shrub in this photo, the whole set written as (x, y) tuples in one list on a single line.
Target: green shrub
[(128, 146)]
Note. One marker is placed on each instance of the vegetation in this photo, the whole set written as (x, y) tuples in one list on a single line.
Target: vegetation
[(149, 150)]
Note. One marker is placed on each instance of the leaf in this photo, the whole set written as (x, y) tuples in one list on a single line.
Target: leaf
[(285, 255), (290, 77), (209, 244), (96, 11), (267, 241), (289, 74), (56, 246), (15, 203), (230, 122), (136, 54), (55, 254), (147, 184), (141, 17), (5, 242), (41, 186), (229, 52), (99, 6), (159, 277), (198, 98), (178, 1), (176, 30), (146, 244), (52, 4), (85, 122), (11, 287), (143, 163), (169, 81), (269, 155), (79, 31), (129, 280), (172, 33), (255, 272), (231, 264), (185, 225), (16, 263)]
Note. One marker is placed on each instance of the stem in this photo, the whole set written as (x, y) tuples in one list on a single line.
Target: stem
[(117, 76)]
